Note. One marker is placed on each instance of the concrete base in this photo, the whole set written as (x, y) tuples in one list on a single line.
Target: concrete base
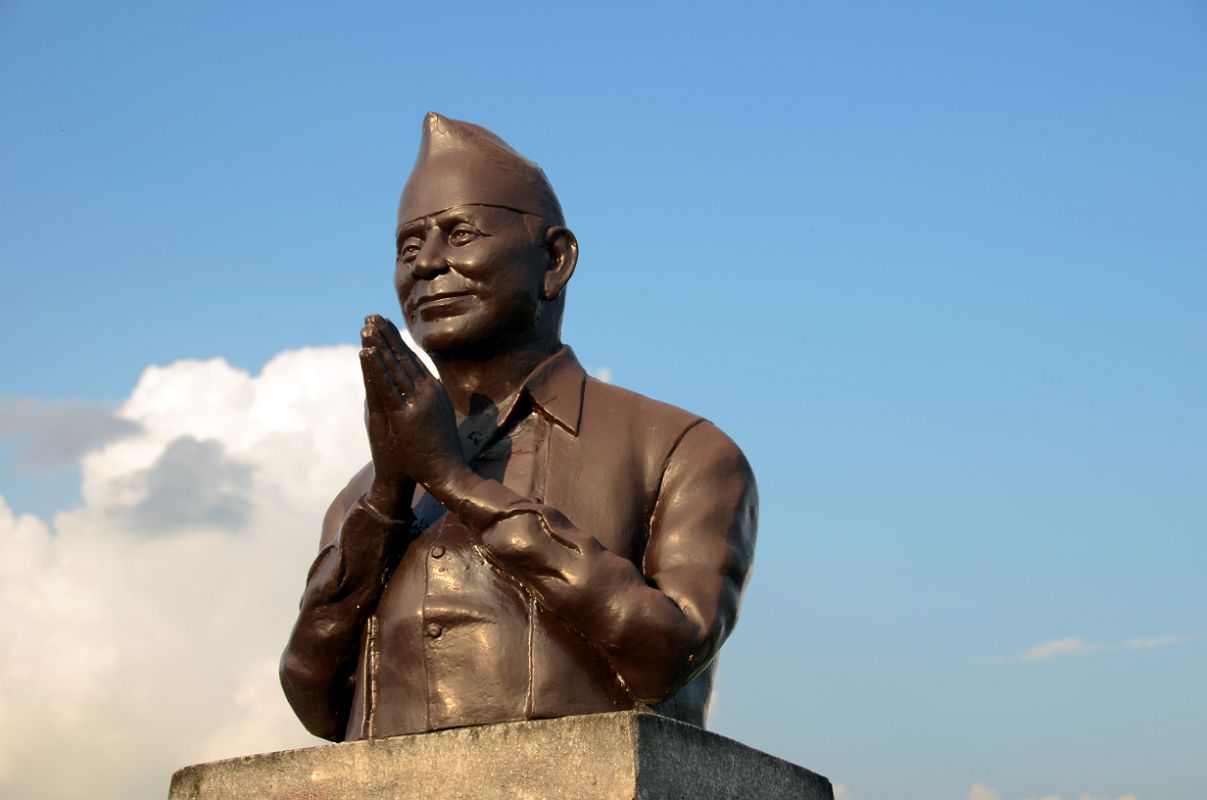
[(621, 756)]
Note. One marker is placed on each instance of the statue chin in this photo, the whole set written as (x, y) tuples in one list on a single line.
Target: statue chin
[(474, 334), (448, 329), (445, 345)]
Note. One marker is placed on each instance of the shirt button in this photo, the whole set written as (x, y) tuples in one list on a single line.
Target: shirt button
[(434, 630), (437, 551)]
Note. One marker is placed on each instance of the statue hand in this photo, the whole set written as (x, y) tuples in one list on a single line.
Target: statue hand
[(392, 489), (412, 427)]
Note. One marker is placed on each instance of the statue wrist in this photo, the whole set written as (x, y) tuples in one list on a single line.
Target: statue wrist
[(454, 485), (389, 500)]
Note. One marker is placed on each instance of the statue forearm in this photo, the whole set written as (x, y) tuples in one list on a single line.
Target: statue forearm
[(654, 641), (319, 663), (658, 622)]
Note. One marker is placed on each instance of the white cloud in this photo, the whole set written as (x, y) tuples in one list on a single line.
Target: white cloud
[(1076, 646), (1059, 647), (56, 434), (602, 374), (1159, 641), (842, 792), (141, 631), (979, 792)]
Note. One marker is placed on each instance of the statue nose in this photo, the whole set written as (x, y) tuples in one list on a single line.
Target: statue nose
[(430, 260)]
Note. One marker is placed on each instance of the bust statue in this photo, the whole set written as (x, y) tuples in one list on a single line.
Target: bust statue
[(527, 542)]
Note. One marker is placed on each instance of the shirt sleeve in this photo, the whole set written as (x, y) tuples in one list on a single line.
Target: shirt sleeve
[(658, 622), (318, 667)]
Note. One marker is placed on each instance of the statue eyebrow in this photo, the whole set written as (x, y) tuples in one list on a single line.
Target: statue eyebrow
[(445, 220), (414, 228), (454, 216)]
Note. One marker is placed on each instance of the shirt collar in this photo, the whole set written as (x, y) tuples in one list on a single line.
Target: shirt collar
[(556, 388)]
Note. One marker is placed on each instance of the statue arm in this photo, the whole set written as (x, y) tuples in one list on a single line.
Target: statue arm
[(318, 667), (658, 623)]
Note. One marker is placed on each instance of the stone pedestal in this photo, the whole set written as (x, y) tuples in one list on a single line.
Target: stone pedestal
[(621, 756)]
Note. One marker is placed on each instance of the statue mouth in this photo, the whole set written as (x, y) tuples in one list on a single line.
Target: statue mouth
[(437, 302), (440, 297)]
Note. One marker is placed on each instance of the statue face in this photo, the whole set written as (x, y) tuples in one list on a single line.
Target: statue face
[(470, 277)]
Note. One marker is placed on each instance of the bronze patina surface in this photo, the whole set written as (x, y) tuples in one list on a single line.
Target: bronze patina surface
[(527, 542)]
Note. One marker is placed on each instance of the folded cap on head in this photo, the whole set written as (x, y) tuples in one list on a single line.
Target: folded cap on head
[(461, 163)]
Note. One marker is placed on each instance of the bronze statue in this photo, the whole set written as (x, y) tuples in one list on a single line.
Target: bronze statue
[(527, 542)]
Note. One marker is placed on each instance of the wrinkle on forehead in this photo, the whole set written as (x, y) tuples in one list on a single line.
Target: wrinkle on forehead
[(418, 225), (415, 221)]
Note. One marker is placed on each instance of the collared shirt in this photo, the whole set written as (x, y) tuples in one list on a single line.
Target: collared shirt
[(599, 568)]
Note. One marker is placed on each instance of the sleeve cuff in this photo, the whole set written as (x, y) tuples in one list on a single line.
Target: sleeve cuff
[(363, 502), (489, 501), (364, 541)]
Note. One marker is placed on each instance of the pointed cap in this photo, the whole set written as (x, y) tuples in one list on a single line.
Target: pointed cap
[(460, 163)]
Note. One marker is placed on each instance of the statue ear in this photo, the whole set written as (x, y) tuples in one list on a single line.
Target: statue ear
[(563, 256)]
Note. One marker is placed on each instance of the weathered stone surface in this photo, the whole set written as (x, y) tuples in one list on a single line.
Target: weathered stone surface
[(622, 756)]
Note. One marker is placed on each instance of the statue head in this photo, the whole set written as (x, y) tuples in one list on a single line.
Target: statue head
[(483, 253)]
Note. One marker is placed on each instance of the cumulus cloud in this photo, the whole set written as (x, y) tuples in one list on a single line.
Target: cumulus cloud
[(141, 630), (979, 792), (55, 434), (191, 483)]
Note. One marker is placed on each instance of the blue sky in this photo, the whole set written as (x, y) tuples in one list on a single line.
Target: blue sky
[(939, 268)]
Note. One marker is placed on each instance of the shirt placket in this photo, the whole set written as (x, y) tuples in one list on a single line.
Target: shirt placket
[(453, 568)]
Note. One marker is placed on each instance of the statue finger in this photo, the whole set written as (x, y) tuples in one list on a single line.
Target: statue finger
[(379, 392), (395, 376), (397, 356), (407, 358), (410, 362), (368, 333), (375, 333)]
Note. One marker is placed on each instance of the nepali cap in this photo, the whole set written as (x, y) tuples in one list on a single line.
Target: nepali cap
[(460, 163)]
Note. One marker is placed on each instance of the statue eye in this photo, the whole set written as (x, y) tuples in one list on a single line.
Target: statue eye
[(410, 248), (462, 235)]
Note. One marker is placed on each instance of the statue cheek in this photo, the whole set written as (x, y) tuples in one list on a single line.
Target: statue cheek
[(469, 264)]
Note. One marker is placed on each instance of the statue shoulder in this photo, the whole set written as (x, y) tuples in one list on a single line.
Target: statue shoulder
[(615, 405), (612, 408)]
